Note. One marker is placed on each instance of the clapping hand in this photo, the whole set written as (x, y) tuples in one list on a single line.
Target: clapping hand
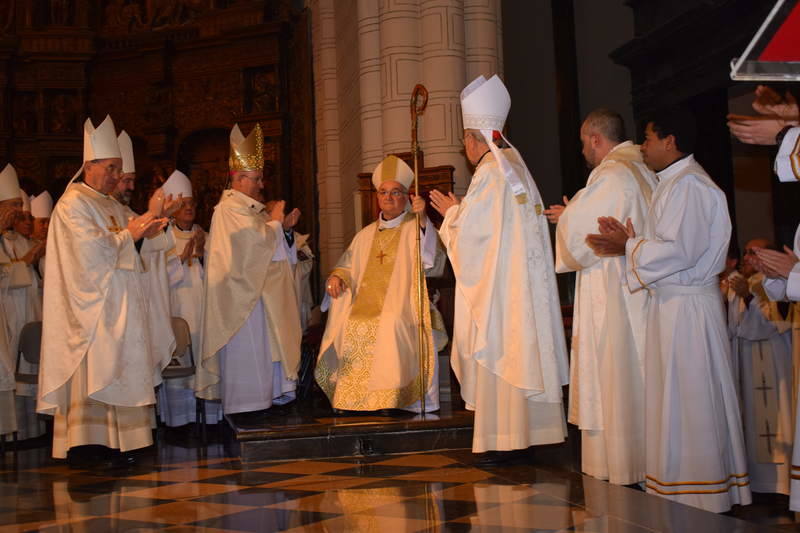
[(555, 211), (613, 236), (775, 264), (442, 203), (290, 220)]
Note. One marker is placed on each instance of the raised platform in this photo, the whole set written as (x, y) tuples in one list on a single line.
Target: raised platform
[(309, 428)]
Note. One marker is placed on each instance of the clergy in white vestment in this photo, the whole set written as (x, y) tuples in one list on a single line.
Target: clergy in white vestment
[(607, 352), (509, 351), (41, 209), (694, 443), (100, 359), (302, 278), (22, 306), (176, 398), (761, 344), (250, 347), (10, 272), (369, 357)]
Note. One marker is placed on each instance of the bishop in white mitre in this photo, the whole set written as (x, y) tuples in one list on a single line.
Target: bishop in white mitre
[(176, 398), (607, 352), (370, 357), (693, 431), (509, 351), (100, 359), (761, 344), (11, 273), (22, 295), (250, 347)]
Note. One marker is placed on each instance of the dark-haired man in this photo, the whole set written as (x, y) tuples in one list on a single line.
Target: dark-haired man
[(607, 359), (694, 443)]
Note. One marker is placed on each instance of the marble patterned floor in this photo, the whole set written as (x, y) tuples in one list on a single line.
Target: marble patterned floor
[(179, 488)]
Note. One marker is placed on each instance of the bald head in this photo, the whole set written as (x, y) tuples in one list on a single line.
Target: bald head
[(601, 131)]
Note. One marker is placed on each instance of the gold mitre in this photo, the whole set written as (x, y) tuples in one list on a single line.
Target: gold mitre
[(247, 153), (392, 168)]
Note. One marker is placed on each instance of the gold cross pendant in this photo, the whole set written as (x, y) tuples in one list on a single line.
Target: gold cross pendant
[(114, 227), (381, 256)]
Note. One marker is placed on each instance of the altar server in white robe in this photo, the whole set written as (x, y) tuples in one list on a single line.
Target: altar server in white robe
[(694, 442), (369, 357), (607, 354), (100, 358), (250, 347), (761, 341), (10, 206), (509, 352), (176, 399)]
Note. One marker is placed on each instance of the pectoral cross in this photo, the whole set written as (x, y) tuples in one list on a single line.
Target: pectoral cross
[(114, 227), (768, 435), (381, 256)]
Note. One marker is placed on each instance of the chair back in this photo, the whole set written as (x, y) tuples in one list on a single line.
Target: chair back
[(183, 337), (30, 342)]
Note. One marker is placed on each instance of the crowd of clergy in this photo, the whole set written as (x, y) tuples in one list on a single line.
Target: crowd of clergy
[(683, 378)]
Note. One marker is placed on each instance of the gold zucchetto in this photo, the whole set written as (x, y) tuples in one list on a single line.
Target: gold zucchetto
[(247, 153)]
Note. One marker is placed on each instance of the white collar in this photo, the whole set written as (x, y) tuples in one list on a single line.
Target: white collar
[(675, 168), (391, 224)]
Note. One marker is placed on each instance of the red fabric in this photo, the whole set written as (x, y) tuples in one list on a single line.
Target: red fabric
[(785, 44)]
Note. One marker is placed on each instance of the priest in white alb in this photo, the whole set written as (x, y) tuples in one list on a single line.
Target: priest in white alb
[(10, 206), (250, 347), (607, 353), (370, 354), (761, 342), (100, 359), (694, 444), (176, 398), (509, 352)]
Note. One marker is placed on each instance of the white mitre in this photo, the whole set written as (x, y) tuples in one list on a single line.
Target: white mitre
[(177, 184), (26, 201), (100, 142), (42, 205), (9, 184), (392, 168), (485, 104), (126, 150)]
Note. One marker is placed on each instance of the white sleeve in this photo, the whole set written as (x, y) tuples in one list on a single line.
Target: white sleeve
[(787, 162)]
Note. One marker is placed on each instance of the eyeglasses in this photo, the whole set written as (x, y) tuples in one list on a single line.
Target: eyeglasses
[(395, 193)]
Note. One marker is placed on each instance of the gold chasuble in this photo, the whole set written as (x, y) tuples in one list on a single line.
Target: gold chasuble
[(368, 359), (239, 272)]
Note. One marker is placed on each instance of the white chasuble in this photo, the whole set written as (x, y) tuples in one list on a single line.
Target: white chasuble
[(762, 357), (369, 356), (509, 352), (250, 303), (607, 353), (100, 359), (694, 444)]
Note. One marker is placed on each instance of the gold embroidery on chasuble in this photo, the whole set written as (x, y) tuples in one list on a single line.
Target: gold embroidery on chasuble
[(349, 384)]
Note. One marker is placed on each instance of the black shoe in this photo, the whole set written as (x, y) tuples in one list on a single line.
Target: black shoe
[(500, 458)]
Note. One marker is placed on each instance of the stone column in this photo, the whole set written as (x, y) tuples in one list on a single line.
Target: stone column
[(370, 86), (483, 38), (400, 70), (444, 75)]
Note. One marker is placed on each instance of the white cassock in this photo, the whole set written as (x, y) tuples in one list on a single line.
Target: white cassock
[(24, 305), (509, 352), (8, 417), (368, 358), (761, 342), (250, 348), (607, 353), (103, 346), (694, 442), (176, 399), (779, 289)]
